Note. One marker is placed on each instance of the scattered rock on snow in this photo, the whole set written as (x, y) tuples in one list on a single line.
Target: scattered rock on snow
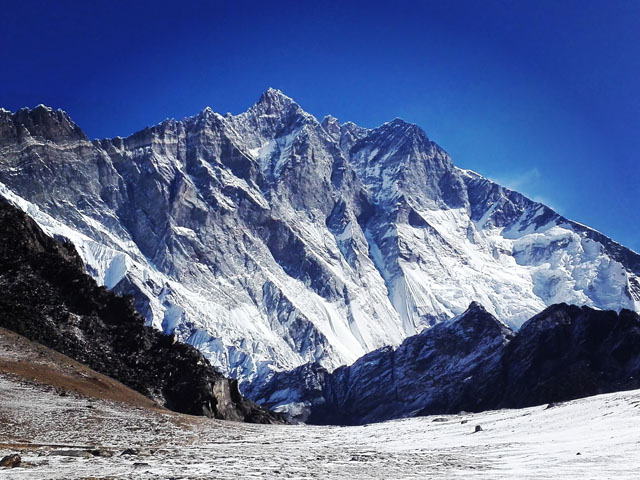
[(478, 429), (72, 453), (96, 452)]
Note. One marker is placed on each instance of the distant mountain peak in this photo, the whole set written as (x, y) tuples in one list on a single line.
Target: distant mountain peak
[(477, 321), (400, 127), (275, 92), (330, 120), (274, 99), (40, 122), (207, 113), (475, 307)]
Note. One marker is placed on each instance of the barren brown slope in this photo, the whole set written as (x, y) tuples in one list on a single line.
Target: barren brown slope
[(34, 362)]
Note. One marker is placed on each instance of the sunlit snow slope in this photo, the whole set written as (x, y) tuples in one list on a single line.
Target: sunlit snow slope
[(268, 239)]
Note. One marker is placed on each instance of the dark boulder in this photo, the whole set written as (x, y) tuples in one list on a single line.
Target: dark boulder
[(11, 461)]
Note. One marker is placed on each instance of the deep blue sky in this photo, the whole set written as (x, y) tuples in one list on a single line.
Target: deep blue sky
[(540, 95)]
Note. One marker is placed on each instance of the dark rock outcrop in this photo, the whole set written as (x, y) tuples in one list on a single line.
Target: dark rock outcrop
[(568, 352), (11, 461), (47, 297), (430, 371)]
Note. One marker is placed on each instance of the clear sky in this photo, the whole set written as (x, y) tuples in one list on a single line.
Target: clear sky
[(542, 96)]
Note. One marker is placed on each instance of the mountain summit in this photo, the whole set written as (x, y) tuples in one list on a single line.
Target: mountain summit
[(268, 239)]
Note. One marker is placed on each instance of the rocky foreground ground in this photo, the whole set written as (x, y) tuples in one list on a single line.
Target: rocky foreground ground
[(66, 421)]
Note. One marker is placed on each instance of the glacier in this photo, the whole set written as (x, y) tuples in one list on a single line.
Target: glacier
[(270, 239)]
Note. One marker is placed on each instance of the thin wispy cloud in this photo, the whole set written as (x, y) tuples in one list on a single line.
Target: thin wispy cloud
[(518, 181), (529, 183)]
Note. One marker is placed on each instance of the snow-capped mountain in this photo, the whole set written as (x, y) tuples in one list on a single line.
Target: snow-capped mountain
[(269, 239)]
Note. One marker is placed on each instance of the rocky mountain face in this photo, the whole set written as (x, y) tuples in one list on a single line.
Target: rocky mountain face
[(472, 363), (47, 297), (569, 352), (270, 239)]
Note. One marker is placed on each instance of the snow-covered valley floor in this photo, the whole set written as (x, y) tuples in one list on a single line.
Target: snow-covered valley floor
[(594, 438), (53, 427)]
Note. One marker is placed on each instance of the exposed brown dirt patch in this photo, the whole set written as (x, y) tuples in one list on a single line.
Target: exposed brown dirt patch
[(37, 363)]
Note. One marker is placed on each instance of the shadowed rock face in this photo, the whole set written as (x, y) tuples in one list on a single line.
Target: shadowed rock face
[(430, 371), (47, 297), (472, 363), (269, 240), (568, 352)]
